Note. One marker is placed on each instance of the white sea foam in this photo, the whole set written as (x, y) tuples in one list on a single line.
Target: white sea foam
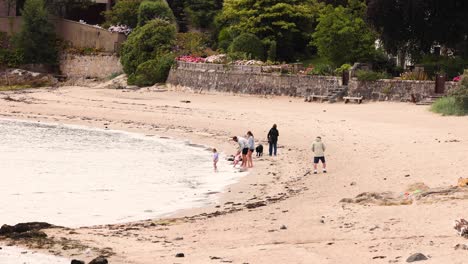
[(76, 176)]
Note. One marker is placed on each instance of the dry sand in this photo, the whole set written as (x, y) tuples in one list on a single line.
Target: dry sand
[(373, 147)]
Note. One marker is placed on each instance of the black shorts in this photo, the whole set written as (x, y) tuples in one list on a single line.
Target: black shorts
[(317, 159), (245, 151)]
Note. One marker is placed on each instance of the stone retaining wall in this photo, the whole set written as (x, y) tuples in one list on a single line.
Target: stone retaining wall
[(256, 80), (247, 79), (395, 90), (90, 66)]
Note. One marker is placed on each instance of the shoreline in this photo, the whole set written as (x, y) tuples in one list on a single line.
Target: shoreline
[(208, 195), (247, 225)]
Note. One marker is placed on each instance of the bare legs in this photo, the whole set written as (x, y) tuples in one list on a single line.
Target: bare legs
[(249, 159)]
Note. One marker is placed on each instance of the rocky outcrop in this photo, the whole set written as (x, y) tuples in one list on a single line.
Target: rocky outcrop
[(17, 77), (25, 230)]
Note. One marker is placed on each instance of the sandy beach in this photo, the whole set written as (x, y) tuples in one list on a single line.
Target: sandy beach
[(279, 212)]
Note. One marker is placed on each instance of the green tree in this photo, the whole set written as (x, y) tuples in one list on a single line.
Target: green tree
[(414, 26), (289, 23), (201, 13), (342, 35), (145, 43), (125, 12), (249, 45), (37, 39), (150, 10), (154, 71)]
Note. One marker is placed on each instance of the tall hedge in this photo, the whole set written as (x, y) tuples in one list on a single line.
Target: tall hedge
[(146, 43), (249, 44), (150, 10), (125, 12), (37, 40)]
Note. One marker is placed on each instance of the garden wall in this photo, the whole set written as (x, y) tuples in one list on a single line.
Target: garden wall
[(90, 66), (257, 80), (246, 79), (79, 35), (394, 90)]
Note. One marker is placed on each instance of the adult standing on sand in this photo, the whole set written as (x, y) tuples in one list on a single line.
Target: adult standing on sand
[(273, 135), (243, 148), (319, 154), (251, 141)]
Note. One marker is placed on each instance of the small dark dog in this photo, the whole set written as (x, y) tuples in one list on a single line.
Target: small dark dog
[(259, 150)]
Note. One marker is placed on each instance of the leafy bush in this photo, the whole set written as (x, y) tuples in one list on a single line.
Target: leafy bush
[(225, 37), (146, 43), (344, 67), (11, 58), (248, 44), (461, 94), (193, 43), (150, 10), (369, 76), (36, 40), (321, 69), (452, 66), (415, 76), (154, 71), (382, 63), (125, 12), (448, 106)]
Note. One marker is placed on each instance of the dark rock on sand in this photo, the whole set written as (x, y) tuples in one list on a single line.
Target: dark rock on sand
[(283, 227), (75, 261), (23, 227), (99, 260), (416, 257), (180, 255), (27, 235), (255, 205)]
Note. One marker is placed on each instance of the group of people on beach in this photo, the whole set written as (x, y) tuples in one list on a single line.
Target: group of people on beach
[(247, 148)]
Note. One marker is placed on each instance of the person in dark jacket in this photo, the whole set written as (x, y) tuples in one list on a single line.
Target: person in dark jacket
[(273, 135)]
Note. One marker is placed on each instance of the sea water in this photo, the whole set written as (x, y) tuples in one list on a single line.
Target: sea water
[(76, 176)]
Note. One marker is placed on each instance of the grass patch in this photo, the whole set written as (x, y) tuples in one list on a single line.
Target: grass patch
[(448, 106), (15, 87)]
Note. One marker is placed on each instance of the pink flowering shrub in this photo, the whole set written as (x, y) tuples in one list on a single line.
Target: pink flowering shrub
[(190, 58)]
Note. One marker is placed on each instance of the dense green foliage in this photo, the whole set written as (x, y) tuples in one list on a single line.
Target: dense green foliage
[(413, 26), (451, 66), (248, 44), (145, 43), (191, 43), (368, 76), (150, 10), (125, 12), (201, 13), (289, 23), (36, 41), (154, 71), (342, 35), (448, 106)]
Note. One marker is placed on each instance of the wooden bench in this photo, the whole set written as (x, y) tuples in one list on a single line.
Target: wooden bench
[(358, 100), (314, 97)]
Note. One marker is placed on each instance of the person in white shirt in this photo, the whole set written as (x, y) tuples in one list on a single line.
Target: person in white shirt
[(319, 154), (243, 148)]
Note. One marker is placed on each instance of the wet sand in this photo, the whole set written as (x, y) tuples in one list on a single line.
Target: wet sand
[(279, 213)]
